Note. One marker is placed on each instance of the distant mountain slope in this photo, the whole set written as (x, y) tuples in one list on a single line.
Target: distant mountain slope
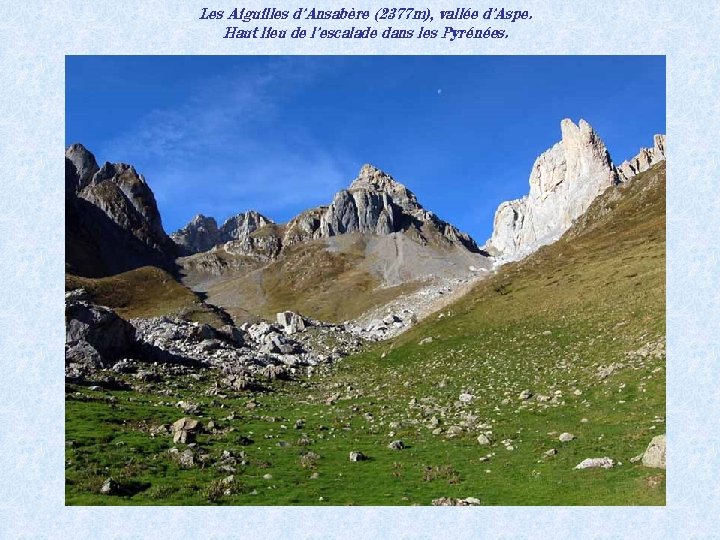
[(373, 242), (374, 203)]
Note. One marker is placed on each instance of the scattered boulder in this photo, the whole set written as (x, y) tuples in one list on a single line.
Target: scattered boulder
[(396, 445), (654, 455), (291, 322), (77, 295), (275, 372), (110, 487), (484, 439), (99, 327), (357, 456), (232, 334), (451, 501), (188, 407), (186, 458), (185, 430), (605, 371), (525, 395), (566, 437), (453, 431), (593, 463)]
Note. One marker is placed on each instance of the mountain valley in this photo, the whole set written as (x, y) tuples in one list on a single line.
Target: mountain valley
[(367, 351)]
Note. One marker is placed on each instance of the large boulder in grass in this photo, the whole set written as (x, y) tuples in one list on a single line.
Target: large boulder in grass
[(185, 430), (654, 455)]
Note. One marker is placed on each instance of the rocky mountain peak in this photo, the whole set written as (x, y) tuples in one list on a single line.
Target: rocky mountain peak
[(202, 233), (113, 217), (564, 180), (374, 204), (85, 165)]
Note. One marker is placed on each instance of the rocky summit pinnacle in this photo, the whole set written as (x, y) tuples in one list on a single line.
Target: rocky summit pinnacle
[(84, 163), (563, 182), (372, 178)]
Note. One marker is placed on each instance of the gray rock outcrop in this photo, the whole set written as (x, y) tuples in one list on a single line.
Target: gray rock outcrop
[(646, 158), (94, 335), (564, 181)]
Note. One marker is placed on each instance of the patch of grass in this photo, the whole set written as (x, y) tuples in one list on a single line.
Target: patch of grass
[(309, 279), (145, 292)]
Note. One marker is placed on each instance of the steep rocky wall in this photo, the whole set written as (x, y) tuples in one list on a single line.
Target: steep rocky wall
[(563, 182)]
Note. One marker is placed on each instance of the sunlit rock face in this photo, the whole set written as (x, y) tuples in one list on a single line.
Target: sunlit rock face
[(564, 181), (375, 203)]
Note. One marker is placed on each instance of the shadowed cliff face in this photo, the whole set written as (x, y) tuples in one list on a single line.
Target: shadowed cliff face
[(112, 220)]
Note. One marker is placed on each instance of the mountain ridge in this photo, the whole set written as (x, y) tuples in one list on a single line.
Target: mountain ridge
[(373, 203)]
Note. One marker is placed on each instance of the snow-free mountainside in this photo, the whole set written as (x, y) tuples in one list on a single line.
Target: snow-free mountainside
[(367, 351)]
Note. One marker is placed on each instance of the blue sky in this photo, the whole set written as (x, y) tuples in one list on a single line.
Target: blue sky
[(218, 135)]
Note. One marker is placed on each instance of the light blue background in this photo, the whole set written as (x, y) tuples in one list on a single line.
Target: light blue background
[(35, 38)]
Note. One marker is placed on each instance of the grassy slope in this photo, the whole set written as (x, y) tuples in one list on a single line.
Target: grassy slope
[(145, 292), (545, 324), (310, 280)]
